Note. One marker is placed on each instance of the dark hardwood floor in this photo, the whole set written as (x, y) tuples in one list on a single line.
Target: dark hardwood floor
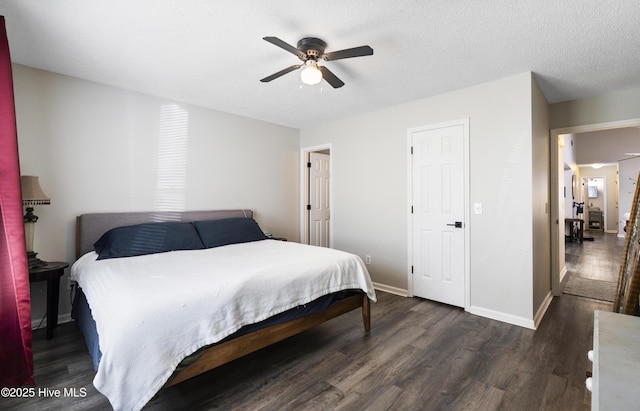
[(420, 355), (598, 259)]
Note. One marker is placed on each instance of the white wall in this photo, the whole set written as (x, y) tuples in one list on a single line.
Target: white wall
[(369, 179), (98, 148)]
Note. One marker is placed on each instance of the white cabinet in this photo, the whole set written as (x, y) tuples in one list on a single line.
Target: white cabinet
[(616, 362)]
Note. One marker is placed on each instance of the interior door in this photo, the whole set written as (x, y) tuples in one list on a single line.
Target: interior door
[(437, 220), (319, 188)]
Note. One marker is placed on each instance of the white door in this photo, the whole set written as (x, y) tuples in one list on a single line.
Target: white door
[(319, 212), (437, 219)]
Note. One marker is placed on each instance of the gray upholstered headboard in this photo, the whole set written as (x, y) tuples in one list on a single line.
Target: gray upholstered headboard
[(90, 227)]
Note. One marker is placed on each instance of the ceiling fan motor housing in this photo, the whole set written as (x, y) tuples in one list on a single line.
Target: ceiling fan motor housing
[(312, 47)]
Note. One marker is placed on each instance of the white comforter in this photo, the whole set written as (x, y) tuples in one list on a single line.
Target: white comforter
[(152, 311)]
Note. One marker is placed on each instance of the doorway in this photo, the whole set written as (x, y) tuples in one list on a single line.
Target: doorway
[(316, 227), (594, 197), (558, 264)]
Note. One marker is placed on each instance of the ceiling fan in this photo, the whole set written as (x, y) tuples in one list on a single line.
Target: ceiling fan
[(309, 50)]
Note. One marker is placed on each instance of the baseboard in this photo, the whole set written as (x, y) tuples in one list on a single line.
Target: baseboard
[(61, 320), (505, 318), (563, 277), (391, 290), (483, 312), (542, 309)]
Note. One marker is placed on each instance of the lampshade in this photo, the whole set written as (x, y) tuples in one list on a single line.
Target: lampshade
[(32, 194), (310, 74)]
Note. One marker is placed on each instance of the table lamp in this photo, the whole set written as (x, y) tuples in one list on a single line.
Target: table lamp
[(32, 195)]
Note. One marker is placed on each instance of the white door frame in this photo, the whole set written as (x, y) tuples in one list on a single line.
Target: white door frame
[(304, 192), (557, 259), (465, 141)]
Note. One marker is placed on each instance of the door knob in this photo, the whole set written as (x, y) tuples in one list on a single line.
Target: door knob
[(457, 224)]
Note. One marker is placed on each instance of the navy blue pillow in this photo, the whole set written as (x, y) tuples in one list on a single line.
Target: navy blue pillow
[(215, 233), (149, 238)]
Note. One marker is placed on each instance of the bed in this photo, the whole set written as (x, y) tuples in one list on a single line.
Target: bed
[(155, 314)]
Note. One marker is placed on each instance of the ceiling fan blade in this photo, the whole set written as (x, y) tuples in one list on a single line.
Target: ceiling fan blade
[(281, 73), (286, 46), (348, 53), (331, 78)]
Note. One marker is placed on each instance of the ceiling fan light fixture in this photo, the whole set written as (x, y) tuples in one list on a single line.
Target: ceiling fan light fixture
[(309, 50), (310, 74)]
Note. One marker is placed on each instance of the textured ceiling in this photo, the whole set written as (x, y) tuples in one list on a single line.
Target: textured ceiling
[(211, 53)]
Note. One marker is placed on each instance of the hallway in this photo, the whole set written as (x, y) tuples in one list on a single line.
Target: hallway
[(598, 259)]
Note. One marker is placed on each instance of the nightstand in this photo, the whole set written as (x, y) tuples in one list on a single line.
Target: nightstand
[(51, 273)]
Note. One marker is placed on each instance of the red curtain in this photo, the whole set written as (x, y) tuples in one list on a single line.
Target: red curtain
[(16, 355)]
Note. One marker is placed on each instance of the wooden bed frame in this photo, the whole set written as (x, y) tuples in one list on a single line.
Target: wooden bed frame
[(89, 228)]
